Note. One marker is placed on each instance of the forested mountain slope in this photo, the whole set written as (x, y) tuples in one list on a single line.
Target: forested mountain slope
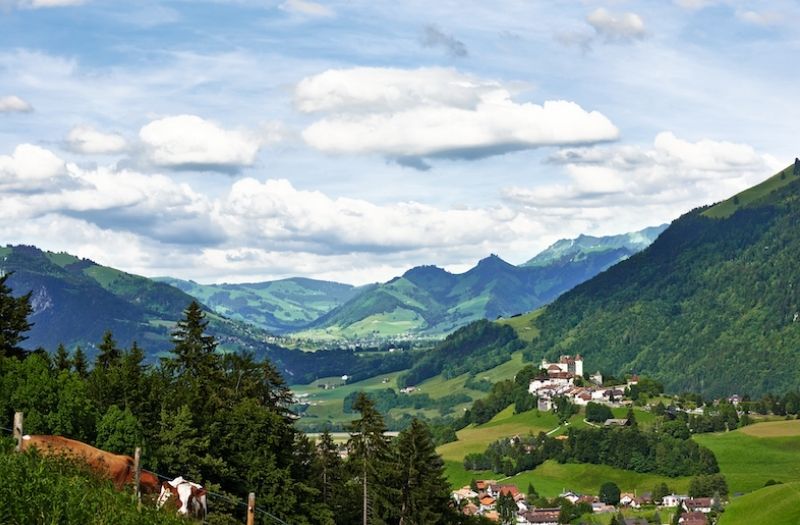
[(276, 306), (430, 300), (712, 305)]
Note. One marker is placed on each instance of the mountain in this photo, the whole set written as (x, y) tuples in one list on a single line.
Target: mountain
[(713, 305), (586, 245), (428, 300), (76, 300), (276, 306)]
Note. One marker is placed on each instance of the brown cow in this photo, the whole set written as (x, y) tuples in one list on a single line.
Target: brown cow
[(116, 467)]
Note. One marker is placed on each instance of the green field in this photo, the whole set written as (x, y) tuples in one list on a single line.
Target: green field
[(326, 405), (749, 461), (727, 207), (524, 325), (775, 505), (551, 478)]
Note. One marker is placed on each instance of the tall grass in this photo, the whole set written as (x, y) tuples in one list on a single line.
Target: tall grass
[(54, 491)]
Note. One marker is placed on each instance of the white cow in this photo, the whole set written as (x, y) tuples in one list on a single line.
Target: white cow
[(190, 498)]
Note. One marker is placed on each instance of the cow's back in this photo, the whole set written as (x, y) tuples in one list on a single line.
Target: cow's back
[(117, 468)]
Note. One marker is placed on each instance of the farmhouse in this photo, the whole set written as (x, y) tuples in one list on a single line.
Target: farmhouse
[(703, 505), (540, 517)]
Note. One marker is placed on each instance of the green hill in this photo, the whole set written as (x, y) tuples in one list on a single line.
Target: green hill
[(76, 300), (713, 305), (428, 300), (776, 505), (276, 306)]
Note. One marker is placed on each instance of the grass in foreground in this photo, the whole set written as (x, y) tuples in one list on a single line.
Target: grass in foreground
[(775, 505), (49, 491)]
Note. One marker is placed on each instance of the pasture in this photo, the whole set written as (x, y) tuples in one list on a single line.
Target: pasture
[(751, 456), (776, 505)]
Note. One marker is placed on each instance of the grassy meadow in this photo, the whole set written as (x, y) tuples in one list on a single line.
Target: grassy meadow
[(775, 505)]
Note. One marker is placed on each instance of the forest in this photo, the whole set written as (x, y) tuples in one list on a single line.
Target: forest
[(222, 420)]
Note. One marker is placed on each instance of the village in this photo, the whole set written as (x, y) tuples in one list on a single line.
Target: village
[(564, 379), (484, 497)]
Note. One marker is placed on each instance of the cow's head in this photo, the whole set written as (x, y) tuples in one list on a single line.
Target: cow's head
[(189, 498), (148, 482)]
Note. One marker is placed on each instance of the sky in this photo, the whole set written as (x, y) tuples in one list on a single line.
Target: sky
[(241, 141)]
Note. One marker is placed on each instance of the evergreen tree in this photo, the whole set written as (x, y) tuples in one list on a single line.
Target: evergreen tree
[(631, 417), (194, 350), (109, 354), (532, 494), (424, 490), (79, 363), (14, 312), (62, 361), (369, 451), (331, 466), (506, 508)]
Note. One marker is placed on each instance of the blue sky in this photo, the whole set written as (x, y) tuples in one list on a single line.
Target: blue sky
[(245, 140)]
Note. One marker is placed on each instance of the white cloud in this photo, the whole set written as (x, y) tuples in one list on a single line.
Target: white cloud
[(28, 168), (305, 7), (410, 115), (696, 4), (87, 140), (190, 142), (14, 104), (38, 4), (620, 27), (764, 18), (671, 177)]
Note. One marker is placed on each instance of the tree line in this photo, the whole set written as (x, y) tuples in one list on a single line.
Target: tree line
[(223, 420)]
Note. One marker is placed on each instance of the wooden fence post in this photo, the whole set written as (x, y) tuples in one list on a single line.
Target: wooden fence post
[(137, 474), (18, 419), (251, 509)]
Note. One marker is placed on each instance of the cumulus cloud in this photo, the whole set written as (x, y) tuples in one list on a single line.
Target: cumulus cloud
[(89, 141), (307, 8), (622, 27), (190, 142), (413, 115), (14, 104), (605, 27), (38, 4), (29, 168), (672, 174), (432, 36)]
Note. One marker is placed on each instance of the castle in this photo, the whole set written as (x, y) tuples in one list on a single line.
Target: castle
[(566, 363)]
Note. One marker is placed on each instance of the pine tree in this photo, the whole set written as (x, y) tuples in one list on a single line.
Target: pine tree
[(62, 361), (109, 354), (631, 417), (79, 363), (532, 494), (369, 451), (331, 465), (194, 350), (424, 490), (14, 312), (506, 508)]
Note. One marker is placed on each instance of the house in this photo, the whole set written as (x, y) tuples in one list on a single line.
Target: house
[(693, 518), (463, 493), (570, 496), (470, 509), (487, 502), (492, 515), (703, 505), (635, 521), (616, 423), (540, 517), (596, 378), (672, 500)]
